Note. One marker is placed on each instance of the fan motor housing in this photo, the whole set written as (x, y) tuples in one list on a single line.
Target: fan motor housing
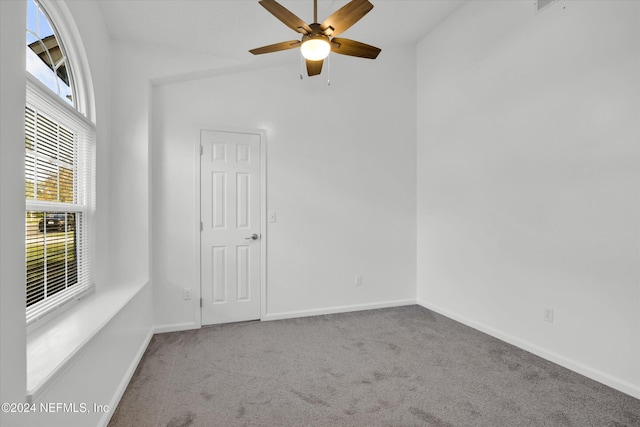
[(317, 36)]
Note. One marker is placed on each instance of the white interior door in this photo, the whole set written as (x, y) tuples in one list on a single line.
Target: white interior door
[(231, 226)]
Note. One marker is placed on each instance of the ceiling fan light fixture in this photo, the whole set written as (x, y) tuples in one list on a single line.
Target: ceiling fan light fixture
[(315, 48), (319, 40)]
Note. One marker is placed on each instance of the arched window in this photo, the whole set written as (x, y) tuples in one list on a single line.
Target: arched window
[(46, 56), (59, 166)]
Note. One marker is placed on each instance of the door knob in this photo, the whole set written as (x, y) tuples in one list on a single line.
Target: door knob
[(254, 236)]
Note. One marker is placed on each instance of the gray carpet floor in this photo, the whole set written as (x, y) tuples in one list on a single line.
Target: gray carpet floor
[(404, 366)]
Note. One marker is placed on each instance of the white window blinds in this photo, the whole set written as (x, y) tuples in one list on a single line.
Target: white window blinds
[(60, 201)]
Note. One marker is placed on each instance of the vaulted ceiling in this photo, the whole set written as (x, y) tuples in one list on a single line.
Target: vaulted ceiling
[(229, 28)]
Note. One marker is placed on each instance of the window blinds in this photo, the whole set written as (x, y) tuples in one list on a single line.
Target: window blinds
[(60, 201)]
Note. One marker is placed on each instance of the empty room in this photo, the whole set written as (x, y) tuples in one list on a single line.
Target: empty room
[(319, 213)]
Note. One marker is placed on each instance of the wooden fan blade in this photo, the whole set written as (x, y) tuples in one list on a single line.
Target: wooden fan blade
[(291, 44), (286, 16), (345, 17), (314, 67), (354, 48)]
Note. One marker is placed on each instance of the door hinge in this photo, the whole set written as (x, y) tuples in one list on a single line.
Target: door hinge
[(200, 302), (201, 150), (201, 226)]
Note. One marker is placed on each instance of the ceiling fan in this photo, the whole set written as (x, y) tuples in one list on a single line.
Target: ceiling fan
[(318, 40)]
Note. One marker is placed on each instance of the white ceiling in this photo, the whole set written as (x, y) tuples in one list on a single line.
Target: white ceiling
[(229, 28)]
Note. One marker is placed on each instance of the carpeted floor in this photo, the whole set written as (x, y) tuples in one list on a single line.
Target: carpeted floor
[(404, 366)]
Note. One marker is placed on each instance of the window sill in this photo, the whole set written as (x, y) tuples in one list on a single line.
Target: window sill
[(53, 346)]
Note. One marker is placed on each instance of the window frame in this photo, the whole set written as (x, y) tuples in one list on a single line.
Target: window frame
[(64, 27), (81, 120)]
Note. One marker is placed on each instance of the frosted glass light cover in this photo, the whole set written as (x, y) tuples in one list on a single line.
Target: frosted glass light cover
[(315, 49)]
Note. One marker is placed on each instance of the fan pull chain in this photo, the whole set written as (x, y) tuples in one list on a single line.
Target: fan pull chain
[(328, 71), (301, 65)]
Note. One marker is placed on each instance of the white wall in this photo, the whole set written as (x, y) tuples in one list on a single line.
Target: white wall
[(12, 277), (101, 373), (97, 373), (97, 47), (528, 179), (130, 218), (340, 175)]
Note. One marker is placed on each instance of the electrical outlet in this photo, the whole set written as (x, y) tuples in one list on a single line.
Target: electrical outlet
[(359, 280), (186, 293), (548, 314)]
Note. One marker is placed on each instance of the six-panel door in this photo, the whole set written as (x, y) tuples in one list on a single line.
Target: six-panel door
[(230, 215)]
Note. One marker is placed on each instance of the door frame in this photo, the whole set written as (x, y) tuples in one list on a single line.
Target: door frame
[(197, 294)]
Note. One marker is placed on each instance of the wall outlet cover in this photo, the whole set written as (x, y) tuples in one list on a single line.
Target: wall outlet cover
[(548, 314)]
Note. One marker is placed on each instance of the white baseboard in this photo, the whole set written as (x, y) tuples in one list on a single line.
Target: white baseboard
[(594, 374), (334, 310), (115, 400), (175, 327)]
